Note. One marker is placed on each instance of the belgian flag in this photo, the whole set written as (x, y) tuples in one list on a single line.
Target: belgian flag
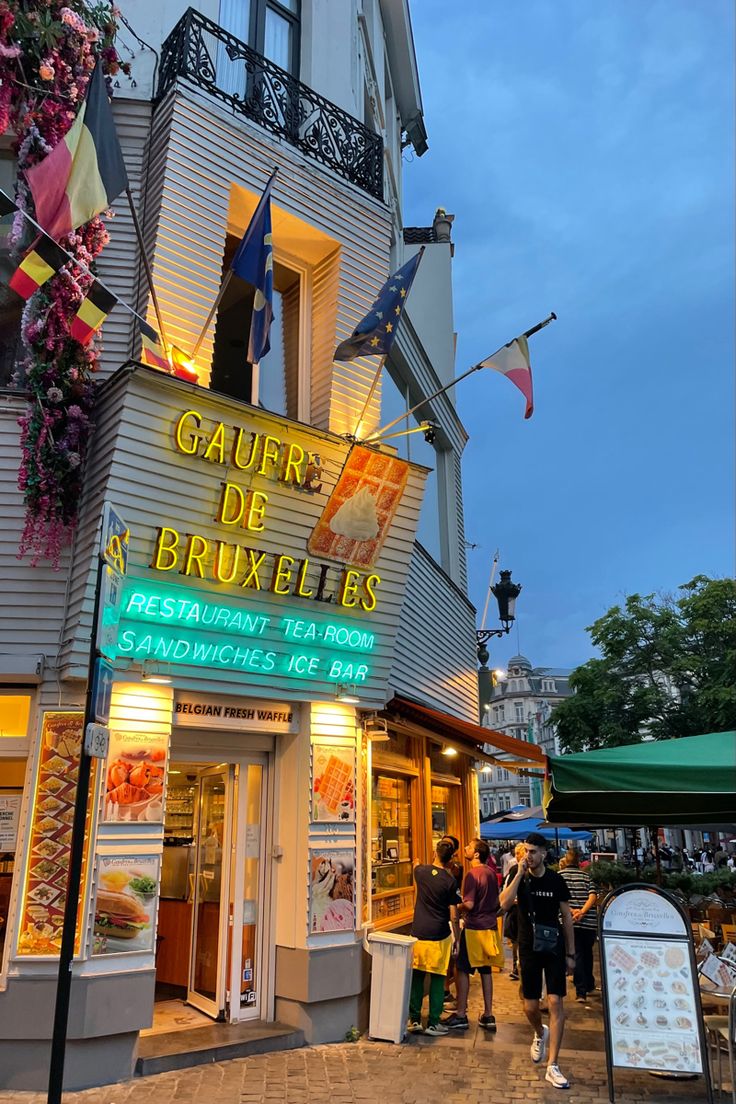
[(85, 171), (152, 352), (92, 312), (42, 260)]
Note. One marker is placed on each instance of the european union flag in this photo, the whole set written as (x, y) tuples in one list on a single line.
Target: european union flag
[(376, 332), (253, 262)]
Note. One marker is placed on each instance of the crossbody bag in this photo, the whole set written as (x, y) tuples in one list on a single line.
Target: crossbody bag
[(546, 936)]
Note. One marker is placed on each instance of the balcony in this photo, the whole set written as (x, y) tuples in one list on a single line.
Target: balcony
[(201, 52)]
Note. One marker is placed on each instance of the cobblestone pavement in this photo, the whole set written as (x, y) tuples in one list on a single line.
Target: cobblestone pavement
[(470, 1069)]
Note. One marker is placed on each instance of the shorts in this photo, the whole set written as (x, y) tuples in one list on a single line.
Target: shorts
[(534, 965), (484, 946)]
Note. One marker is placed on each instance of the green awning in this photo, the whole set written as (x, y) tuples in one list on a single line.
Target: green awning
[(660, 783)]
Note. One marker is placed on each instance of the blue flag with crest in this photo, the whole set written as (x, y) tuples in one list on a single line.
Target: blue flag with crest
[(377, 331), (253, 262)]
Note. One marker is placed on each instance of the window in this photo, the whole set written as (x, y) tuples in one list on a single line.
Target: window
[(504, 802), (269, 26), (503, 774), (501, 712), (486, 804), (395, 400), (518, 711), (275, 386)]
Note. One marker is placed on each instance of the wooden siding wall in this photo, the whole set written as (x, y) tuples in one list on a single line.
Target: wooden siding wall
[(119, 263), (32, 609), (135, 419), (435, 654), (198, 152)]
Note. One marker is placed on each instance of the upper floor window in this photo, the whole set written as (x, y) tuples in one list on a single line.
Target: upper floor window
[(269, 26), (519, 711), (503, 774)]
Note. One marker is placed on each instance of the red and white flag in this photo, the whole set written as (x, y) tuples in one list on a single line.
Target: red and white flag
[(513, 362)]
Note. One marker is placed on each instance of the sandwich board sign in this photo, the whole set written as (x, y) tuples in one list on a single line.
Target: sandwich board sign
[(651, 999)]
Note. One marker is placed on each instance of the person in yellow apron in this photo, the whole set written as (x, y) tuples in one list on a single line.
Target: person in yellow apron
[(480, 947), (435, 929)]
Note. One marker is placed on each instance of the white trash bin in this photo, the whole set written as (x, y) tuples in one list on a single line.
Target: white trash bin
[(390, 984)]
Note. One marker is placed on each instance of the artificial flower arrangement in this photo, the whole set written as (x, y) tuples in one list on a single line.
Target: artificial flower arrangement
[(47, 53)]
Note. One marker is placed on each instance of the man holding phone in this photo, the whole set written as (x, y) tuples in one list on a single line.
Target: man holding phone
[(546, 950)]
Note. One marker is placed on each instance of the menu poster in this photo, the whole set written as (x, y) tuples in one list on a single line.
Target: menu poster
[(652, 1004), (44, 895), (331, 890), (125, 904), (135, 777), (9, 817), (333, 784)]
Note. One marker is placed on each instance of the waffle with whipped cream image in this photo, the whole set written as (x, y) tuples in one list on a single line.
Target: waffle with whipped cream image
[(358, 514)]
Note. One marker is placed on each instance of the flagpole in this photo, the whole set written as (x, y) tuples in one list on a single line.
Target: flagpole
[(494, 565), (75, 260), (381, 364), (229, 274), (374, 437), (147, 267)]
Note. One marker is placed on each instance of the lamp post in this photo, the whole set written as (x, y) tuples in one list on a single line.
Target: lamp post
[(505, 592)]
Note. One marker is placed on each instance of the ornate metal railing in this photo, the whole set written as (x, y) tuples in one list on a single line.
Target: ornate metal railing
[(200, 51)]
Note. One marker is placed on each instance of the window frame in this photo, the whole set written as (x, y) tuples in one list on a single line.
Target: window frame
[(257, 30), (303, 373)]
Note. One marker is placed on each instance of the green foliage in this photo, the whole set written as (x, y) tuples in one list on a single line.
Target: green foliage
[(611, 875), (667, 669), (352, 1035)]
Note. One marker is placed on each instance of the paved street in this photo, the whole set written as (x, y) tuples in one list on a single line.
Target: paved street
[(469, 1069)]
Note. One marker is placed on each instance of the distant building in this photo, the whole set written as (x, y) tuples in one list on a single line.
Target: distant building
[(521, 706)]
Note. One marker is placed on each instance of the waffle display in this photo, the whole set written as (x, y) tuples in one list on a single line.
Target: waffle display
[(359, 512), (333, 785), (53, 810)]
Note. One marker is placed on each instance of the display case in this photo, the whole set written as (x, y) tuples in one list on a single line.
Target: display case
[(179, 814), (392, 886)]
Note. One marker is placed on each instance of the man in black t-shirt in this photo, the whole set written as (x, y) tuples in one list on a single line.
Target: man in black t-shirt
[(543, 898), (434, 928)]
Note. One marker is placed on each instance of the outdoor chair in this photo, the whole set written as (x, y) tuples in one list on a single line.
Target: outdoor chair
[(721, 1037)]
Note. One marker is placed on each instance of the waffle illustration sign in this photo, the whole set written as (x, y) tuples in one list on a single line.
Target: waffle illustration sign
[(285, 554)]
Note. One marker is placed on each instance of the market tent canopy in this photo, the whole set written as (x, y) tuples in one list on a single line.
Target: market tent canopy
[(469, 738), (662, 783), (520, 829)]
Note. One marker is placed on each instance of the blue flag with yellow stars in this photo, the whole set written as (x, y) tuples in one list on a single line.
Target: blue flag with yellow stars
[(253, 262), (376, 332)]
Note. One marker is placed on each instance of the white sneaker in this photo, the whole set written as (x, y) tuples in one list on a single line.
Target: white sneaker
[(538, 1049), (555, 1077)]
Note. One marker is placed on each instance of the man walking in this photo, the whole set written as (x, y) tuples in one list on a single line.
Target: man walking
[(583, 898), (545, 950), (434, 927), (480, 947)]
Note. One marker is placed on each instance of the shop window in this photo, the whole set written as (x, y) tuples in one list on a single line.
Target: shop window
[(391, 846), (275, 385), (11, 304)]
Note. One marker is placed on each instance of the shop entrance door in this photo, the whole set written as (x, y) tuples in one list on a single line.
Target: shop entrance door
[(248, 958), (210, 891)]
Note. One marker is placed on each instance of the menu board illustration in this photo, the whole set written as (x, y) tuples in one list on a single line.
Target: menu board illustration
[(44, 898), (652, 1005), (125, 904), (333, 783), (135, 777)]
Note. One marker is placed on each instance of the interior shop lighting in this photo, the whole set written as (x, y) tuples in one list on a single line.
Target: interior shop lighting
[(155, 672), (346, 693), (449, 750), (376, 729)]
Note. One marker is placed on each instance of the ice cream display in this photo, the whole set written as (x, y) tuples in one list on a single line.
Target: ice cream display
[(357, 517)]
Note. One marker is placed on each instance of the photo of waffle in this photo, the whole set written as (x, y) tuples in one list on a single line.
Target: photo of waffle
[(333, 784), (359, 512), (620, 959), (53, 812)]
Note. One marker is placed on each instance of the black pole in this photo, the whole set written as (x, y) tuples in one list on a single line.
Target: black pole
[(71, 909)]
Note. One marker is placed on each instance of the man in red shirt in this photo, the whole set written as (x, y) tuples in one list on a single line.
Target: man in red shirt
[(480, 947)]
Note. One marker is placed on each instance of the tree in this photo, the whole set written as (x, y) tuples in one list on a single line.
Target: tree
[(667, 668)]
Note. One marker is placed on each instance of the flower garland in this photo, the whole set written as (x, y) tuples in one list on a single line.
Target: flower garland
[(47, 53)]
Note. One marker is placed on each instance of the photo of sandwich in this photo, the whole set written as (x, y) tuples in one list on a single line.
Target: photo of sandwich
[(119, 915)]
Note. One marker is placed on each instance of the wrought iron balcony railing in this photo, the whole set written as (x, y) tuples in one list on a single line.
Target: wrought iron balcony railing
[(200, 51)]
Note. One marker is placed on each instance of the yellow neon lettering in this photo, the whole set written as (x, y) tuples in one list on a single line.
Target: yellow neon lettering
[(216, 448), (167, 542), (370, 601), (349, 589), (270, 453), (294, 457), (218, 570), (257, 502), (301, 589), (251, 578), (193, 437), (195, 551), (281, 573), (232, 501), (236, 459)]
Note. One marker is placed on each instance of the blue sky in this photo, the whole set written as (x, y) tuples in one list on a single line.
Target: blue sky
[(586, 150)]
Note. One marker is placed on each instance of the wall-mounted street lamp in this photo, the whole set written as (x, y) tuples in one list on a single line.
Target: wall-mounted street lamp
[(505, 592)]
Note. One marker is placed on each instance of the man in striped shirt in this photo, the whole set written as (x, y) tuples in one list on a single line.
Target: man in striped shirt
[(583, 896)]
